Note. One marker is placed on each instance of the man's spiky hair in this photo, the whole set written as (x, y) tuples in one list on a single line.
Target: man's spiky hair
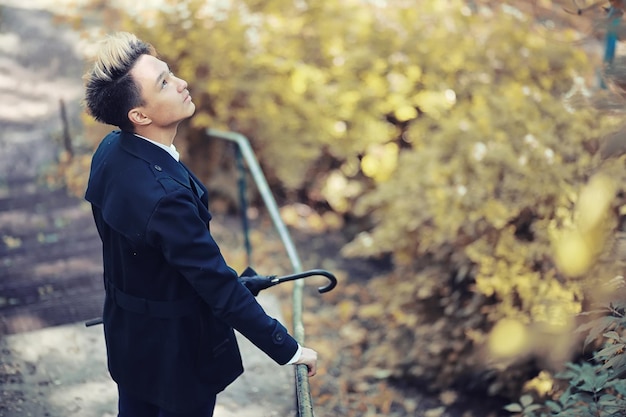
[(110, 90)]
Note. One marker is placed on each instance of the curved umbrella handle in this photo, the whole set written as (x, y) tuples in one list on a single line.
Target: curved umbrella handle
[(332, 284)]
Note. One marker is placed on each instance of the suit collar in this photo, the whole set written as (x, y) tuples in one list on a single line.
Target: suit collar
[(158, 158), (170, 149)]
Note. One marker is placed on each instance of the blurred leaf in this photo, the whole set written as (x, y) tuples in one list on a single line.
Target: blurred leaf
[(12, 242)]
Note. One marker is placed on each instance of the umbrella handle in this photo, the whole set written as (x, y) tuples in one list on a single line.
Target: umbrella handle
[(332, 284)]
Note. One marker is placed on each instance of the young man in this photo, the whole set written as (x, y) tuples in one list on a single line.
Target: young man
[(171, 300)]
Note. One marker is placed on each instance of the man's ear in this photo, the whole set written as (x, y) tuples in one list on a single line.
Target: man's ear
[(137, 117)]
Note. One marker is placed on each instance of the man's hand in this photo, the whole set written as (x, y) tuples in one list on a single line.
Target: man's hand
[(256, 283), (308, 358)]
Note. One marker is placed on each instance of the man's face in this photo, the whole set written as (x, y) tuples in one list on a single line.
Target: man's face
[(166, 98)]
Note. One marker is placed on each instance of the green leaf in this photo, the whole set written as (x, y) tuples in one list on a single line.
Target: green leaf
[(531, 408), (526, 400), (554, 406), (599, 326), (609, 351), (513, 408), (612, 335), (620, 387)]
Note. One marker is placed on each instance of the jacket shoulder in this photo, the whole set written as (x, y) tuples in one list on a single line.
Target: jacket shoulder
[(125, 188)]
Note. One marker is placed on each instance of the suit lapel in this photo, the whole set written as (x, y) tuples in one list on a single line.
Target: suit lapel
[(197, 185)]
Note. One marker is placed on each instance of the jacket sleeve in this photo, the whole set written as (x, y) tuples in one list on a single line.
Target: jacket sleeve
[(177, 228)]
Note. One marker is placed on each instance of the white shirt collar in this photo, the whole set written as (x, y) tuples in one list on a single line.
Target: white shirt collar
[(169, 149)]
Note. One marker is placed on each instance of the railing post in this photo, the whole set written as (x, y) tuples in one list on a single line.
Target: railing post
[(303, 390)]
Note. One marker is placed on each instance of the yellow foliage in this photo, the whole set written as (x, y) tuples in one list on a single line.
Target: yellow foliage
[(302, 217), (542, 384), (338, 190), (508, 339), (435, 103), (594, 203), (405, 113), (573, 254), (577, 248), (380, 161)]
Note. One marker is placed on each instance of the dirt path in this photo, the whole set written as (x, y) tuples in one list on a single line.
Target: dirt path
[(47, 247)]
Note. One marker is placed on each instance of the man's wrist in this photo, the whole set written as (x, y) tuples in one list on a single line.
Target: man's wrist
[(296, 356)]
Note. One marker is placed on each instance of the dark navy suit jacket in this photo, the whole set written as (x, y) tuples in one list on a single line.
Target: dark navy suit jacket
[(171, 300)]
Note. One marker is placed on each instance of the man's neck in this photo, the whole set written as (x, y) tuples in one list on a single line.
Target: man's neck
[(163, 136)]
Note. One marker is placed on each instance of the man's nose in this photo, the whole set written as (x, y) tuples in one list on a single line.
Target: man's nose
[(182, 84)]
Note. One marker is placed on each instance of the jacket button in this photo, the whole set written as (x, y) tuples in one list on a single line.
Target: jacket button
[(279, 337), (158, 168)]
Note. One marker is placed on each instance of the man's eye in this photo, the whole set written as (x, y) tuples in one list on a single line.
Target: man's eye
[(164, 82)]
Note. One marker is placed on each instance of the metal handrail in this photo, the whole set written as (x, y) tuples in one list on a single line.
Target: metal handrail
[(303, 390)]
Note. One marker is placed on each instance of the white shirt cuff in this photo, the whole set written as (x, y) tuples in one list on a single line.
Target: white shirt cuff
[(295, 357)]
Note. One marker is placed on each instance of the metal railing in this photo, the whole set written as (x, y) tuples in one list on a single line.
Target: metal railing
[(303, 390)]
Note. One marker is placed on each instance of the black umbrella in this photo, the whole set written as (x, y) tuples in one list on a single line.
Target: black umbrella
[(255, 283)]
